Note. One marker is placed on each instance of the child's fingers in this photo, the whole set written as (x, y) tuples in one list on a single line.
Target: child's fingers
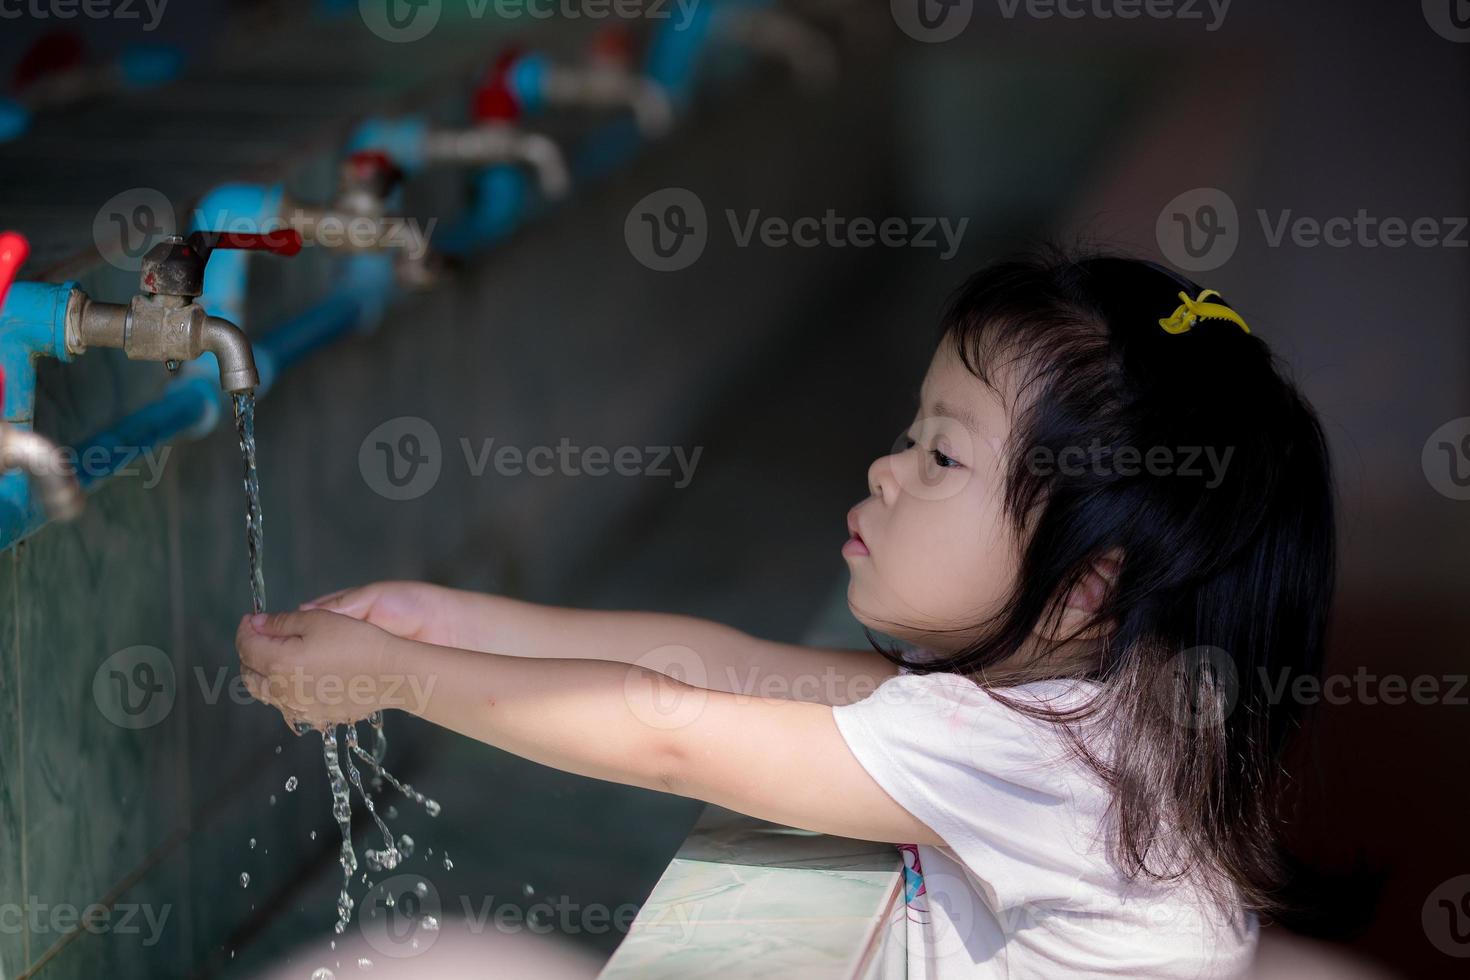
[(342, 601)]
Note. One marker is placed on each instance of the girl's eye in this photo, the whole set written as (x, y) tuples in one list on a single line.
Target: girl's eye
[(938, 457)]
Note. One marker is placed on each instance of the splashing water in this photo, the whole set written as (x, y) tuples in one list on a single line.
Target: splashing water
[(392, 853), (387, 859), (342, 811)]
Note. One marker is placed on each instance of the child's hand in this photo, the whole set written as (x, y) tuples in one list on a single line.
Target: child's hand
[(319, 667), (412, 610)]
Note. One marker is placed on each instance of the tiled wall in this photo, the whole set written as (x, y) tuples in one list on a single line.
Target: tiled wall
[(558, 334)]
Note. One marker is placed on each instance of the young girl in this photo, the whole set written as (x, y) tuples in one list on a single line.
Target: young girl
[(1105, 542)]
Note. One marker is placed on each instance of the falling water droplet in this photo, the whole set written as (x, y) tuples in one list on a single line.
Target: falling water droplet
[(322, 973), (291, 785), (252, 843), (448, 864), (313, 835), (363, 963), (244, 879), (527, 889), (421, 888), (429, 923), (278, 750), (273, 799)]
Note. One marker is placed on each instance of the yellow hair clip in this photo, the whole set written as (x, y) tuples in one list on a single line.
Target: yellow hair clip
[(1194, 310)]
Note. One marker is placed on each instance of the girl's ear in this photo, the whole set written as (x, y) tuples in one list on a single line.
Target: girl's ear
[(1085, 599), (1088, 595)]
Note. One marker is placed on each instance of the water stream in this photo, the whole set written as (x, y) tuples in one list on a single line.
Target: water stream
[(394, 851)]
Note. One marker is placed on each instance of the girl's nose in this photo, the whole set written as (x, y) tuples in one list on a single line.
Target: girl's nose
[(882, 481)]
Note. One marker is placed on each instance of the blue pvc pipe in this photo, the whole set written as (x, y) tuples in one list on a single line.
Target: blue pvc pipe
[(33, 322)]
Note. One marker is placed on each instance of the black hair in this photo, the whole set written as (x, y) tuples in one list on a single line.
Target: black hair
[(1226, 578)]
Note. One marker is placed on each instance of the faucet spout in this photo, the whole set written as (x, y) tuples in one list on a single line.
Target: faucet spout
[(231, 348), (497, 142), (612, 87), (22, 449)]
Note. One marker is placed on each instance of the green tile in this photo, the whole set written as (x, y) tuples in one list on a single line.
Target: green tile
[(13, 941), (102, 785)]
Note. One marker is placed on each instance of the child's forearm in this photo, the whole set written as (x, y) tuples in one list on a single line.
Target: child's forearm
[(697, 651), (579, 716)]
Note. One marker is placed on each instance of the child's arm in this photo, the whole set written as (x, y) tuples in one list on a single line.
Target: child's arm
[(698, 651), (776, 759)]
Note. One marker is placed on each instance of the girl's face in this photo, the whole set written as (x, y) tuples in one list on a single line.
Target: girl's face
[(931, 548)]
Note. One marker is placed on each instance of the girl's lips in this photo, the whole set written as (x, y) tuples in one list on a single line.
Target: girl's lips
[(855, 545)]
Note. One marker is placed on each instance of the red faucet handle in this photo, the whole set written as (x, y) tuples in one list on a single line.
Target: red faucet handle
[(14, 250), (285, 242), (372, 169), (508, 56), (612, 46), (496, 103), (55, 53)]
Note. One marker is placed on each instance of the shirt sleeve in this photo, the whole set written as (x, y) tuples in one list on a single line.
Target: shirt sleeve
[(999, 787)]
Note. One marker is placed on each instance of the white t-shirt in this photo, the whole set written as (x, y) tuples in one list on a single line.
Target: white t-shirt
[(1023, 887)]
